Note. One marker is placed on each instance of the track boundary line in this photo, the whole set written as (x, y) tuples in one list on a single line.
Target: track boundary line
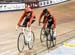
[(57, 43)]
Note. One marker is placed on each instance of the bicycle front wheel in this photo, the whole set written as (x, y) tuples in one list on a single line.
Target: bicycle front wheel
[(20, 42), (42, 36), (31, 42)]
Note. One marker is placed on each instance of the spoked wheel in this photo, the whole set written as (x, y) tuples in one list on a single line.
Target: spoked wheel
[(42, 36), (53, 42), (20, 42), (48, 43), (31, 42), (53, 39)]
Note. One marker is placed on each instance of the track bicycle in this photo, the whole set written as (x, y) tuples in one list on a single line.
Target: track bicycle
[(46, 35), (26, 37)]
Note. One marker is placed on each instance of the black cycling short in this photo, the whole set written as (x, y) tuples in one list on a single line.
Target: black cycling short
[(50, 23), (26, 21)]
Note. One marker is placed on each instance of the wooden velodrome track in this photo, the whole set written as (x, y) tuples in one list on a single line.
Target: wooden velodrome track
[(65, 17)]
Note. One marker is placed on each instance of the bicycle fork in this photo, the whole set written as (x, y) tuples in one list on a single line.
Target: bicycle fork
[(28, 35)]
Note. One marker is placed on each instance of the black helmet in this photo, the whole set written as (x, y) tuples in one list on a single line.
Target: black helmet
[(45, 11)]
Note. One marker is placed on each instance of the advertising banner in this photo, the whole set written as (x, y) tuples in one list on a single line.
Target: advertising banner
[(50, 2), (8, 7)]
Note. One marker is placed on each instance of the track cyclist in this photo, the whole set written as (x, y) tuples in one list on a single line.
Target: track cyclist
[(29, 18), (48, 21)]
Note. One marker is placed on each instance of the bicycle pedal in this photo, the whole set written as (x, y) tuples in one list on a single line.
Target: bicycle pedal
[(26, 43), (54, 38)]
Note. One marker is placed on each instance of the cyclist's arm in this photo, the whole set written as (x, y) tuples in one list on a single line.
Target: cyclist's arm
[(31, 19), (54, 21), (45, 22), (40, 17), (21, 18)]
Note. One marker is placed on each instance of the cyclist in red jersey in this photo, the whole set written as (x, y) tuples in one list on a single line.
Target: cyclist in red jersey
[(29, 17), (48, 20)]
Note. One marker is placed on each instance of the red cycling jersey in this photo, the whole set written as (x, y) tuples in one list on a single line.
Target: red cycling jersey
[(24, 15), (46, 19)]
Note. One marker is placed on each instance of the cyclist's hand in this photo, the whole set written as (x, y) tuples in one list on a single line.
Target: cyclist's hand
[(28, 24), (54, 29), (17, 27)]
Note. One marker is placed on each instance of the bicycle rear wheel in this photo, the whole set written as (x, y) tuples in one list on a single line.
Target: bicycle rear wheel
[(54, 42), (31, 42), (53, 39), (44, 38), (20, 42)]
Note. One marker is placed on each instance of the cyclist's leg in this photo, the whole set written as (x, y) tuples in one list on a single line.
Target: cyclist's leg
[(49, 26), (25, 22), (54, 34), (53, 40), (50, 31)]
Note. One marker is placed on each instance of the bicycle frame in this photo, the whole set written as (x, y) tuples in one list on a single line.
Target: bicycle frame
[(27, 33)]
